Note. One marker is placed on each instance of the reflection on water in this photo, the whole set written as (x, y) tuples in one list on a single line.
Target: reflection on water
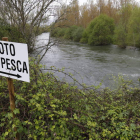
[(93, 63)]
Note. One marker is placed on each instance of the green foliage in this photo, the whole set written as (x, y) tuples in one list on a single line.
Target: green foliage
[(72, 33), (84, 38), (54, 32), (11, 32), (133, 37), (69, 32), (15, 36), (120, 37), (58, 32), (77, 34), (4, 28), (49, 109), (61, 32), (99, 31), (121, 30)]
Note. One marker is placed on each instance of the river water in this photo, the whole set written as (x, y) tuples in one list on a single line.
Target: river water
[(92, 64)]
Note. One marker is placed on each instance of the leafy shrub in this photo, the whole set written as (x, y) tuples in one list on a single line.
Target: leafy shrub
[(120, 37), (84, 38), (133, 35), (121, 30), (69, 32), (77, 34), (58, 32), (54, 32), (50, 109), (99, 31), (73, 33), (11, 32), (61, 32)]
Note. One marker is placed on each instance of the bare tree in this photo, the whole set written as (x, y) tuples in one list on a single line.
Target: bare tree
[(28, 15), (101, 4)]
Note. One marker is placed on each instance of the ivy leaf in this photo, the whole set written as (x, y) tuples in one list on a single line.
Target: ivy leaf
[(16, 111)]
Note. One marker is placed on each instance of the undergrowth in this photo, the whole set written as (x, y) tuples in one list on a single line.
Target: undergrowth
[(48, 109)]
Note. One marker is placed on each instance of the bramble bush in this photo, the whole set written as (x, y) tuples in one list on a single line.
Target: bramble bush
[(48, 109)]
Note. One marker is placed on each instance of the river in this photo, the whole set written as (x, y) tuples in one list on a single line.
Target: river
[(92, 65)]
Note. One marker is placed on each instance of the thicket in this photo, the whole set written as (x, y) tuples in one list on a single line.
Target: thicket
[(125, 16), (7, 30), (133, 36), (100, 31), (122, 30), (49, 109), (73, 33)]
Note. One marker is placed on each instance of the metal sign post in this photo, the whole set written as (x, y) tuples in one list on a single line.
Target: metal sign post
[(11, 95)]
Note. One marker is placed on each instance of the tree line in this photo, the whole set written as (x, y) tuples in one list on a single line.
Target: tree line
[(101, 22), (96, 22)]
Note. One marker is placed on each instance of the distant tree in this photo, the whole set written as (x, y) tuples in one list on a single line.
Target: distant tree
[(77, 34), (85, 36), (71, 16), (99, 31), (69, 32), (121, 30), (101, 4), (120, 35), (84, 17), (112, 8), (133, 36), (27, 16)]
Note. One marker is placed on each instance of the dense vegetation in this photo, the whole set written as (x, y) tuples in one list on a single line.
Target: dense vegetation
[(7, 30), (50, 109), (94, 28), (99, 31), (47, 108), (73, 33)]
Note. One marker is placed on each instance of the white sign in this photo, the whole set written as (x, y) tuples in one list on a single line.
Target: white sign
[(14, 60)]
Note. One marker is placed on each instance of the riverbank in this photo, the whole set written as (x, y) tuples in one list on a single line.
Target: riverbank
[(75, 34), (49, 109)]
